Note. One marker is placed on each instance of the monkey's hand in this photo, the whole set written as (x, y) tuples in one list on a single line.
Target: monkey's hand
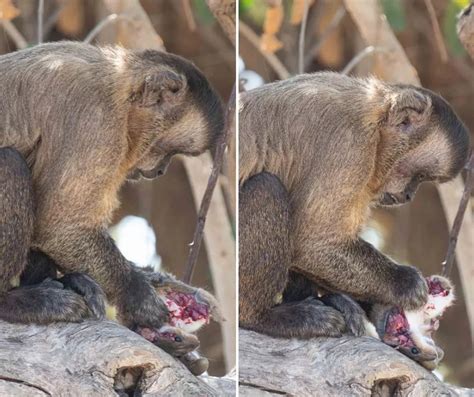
[(410, 289), (166, 284), (140, 305)]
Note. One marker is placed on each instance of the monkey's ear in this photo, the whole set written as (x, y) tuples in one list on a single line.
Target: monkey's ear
[(161, 89), (409, 110)]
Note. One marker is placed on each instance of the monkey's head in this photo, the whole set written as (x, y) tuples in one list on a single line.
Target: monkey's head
[(428, 140), (173, 110)]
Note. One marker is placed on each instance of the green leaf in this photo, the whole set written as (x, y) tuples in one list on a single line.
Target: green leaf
[(202, 12), (395, 13), (449, 26), (253, 10)]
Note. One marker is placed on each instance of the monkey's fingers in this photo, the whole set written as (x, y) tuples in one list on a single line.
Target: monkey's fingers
[(410, 290), (202, 296), (142, 308), (86, 287)]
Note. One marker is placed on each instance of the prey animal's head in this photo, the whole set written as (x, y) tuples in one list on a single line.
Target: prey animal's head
[(173, 110), (426, 139), (173, 340)]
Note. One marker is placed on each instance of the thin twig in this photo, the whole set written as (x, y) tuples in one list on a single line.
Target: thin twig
[(211, 184), (40, 20), (188, 13), (14, 34), (437, 31), (112, 18), (304, 21), (453, 236), (271, 59), (53, 19), (360, 56), (332, 26)]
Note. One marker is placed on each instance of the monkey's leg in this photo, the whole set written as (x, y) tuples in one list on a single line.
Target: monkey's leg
[(265, 256), (16, 216), (41, 267), (41, 303), (38, 268)]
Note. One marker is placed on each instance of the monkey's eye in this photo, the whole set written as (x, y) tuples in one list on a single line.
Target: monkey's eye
[(405, 122), (421, 176), (178, 339), (414, 350)]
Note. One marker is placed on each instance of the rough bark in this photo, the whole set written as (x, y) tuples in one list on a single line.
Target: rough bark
[(329, 367), (84, 360)]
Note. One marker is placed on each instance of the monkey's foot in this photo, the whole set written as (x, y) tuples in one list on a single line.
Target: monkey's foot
[(90, 291), (305, 319), (45, 303), (354, 315)]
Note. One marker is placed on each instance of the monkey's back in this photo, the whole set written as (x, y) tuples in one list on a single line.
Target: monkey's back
[(47, 89), (311, 131)]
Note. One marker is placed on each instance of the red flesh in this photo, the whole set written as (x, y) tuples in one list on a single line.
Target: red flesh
[(189, 309), (397, 329)]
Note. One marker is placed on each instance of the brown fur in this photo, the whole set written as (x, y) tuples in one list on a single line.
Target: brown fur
[(85, 119), (338, 146)]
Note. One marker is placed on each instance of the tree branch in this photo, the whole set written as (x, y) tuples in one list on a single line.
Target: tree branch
[(211, 184), (453, 237), (88, 359), (346, 366), (224, 11), (14, 34)]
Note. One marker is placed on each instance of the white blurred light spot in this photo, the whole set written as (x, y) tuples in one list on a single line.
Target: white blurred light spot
[(136, 241), (372, 236), (251, 79), (241, 65)]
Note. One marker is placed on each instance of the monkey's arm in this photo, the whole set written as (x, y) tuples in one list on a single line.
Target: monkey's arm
[(361, 271), (94, 252)]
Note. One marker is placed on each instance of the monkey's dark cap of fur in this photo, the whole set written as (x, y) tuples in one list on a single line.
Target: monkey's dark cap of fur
[(454, 129), (203, 95)]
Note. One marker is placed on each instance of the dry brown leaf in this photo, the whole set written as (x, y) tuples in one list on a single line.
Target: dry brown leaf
[(273, 19), (71, 18), (269, 43), (297, 11), (7, 10)]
